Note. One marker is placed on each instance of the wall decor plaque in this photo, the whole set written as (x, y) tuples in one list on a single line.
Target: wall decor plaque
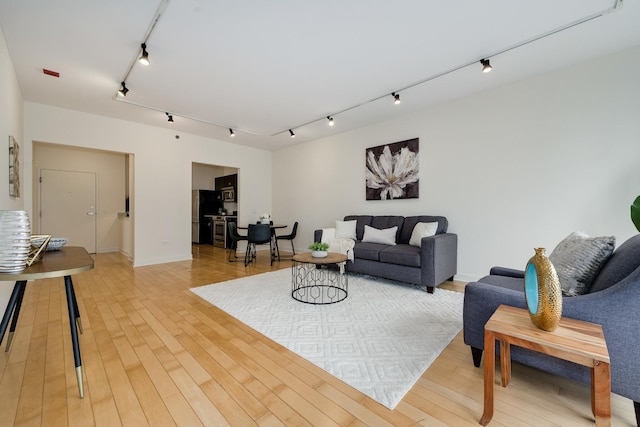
[(392, 171)]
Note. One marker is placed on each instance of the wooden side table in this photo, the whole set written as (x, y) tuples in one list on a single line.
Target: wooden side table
[(574, 340)]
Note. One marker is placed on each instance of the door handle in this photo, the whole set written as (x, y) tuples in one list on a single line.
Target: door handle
[(91, 213)]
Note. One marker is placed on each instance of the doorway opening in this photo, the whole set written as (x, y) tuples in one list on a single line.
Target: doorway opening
[(63, 177)]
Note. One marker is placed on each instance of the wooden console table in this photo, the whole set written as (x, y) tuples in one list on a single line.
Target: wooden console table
[(64, 262), (573, 340)]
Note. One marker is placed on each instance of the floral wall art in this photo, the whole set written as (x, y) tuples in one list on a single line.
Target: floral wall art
[(392, 171)]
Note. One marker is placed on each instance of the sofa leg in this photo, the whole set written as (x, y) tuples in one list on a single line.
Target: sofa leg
[(430, 289), (636, 406), (476, 354)]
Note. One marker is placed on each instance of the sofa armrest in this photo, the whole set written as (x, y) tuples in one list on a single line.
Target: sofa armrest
[(481, 300), (507, 272), (438, 258)]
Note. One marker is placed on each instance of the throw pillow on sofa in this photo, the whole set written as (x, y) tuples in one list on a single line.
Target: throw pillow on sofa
[(386, 236), (346, 229), (578, 258), (420, 230)]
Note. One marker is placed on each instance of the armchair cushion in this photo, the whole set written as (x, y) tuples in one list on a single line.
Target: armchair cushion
[(577, 260)]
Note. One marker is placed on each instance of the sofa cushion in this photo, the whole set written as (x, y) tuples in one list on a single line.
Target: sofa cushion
[(381, 222), (401, 254), (411, 221), (422, 229), (370, 251), (577, 260), (386, 236), (361, 221), (346, 229), (624, 260)]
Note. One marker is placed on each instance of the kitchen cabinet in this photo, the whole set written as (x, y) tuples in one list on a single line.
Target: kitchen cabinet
[(227, 181)]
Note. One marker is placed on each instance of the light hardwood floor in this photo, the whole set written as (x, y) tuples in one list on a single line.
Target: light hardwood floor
[(155, 354)]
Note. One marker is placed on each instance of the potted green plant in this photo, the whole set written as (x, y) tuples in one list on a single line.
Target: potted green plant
[(319, 250)]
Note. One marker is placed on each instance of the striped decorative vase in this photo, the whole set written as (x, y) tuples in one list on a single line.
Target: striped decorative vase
[(15, 241)]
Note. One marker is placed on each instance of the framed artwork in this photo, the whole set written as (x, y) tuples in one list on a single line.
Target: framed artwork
[(392, 171), (14, 167)]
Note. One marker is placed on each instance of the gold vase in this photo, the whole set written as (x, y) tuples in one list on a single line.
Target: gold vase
[(542, 292)]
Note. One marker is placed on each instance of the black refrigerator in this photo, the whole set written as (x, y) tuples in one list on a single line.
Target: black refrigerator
[(204, 204)]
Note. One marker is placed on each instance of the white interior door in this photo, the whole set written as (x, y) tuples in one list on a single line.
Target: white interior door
[(68, 206)]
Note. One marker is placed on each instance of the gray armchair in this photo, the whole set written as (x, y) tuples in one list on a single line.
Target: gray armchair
[(613, 302)]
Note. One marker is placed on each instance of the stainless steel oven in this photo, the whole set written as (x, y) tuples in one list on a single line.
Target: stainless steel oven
[(219, 231)]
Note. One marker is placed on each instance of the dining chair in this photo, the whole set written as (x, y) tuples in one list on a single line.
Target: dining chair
[(258, 234), (235, 237), (289, 237)]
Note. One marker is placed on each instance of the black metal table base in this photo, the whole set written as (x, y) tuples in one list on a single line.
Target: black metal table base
[(13, 311), (313, 284)]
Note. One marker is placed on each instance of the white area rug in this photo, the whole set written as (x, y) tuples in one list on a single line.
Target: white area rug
[(379, 340)]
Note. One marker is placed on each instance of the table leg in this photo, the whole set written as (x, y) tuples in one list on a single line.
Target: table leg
[(505, 362), (14, 301), (489, 372), (75, 308), (16, 313), (68, 285), (601, 393)]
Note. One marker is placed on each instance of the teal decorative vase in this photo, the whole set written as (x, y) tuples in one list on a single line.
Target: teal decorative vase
[(542, 292)]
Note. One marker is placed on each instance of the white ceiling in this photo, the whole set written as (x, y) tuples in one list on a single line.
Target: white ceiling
[(262, 67)]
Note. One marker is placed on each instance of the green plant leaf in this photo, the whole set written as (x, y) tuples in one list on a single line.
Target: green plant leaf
[(635, 213)]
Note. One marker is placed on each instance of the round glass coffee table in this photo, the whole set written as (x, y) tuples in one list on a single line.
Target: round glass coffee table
[(318, 280)]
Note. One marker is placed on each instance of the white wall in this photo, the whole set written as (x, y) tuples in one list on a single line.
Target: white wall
[(512, 169), (162, 173), (109, 168), (203, 176), (10, 124)]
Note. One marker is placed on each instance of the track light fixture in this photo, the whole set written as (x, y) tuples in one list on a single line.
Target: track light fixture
[(330, 120), (144, 58), (231, 133), (293, 135), (123, 89), (486, 66), (396, 98), (169, 117)]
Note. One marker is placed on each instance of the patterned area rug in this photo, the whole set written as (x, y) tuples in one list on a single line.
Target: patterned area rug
[(379, 340)]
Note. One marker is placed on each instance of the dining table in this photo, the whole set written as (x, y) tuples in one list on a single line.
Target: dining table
[(274, 244)]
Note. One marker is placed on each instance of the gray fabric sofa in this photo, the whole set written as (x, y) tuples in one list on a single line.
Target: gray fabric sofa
[(613, 301), (429, 265)]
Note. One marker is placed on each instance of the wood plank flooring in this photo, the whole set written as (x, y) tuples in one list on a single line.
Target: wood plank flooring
[(155, 354)]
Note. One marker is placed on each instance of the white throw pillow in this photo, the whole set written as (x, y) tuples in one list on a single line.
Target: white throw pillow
[(386, 236), (420, 230), (346, 229)]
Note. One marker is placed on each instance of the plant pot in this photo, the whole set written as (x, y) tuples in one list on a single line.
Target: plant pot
[(319, 254)]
